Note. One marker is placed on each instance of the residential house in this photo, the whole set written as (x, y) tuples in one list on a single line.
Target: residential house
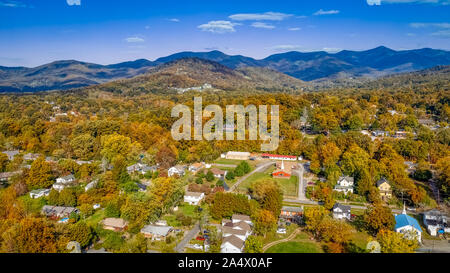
[(385, 189), (411, 167), (91, 185), (291, 212), (345, 184), (232, 244), (408, 226), (279, 157), (66, 179), (178, 170), (11, 154), (235, 232), (238, 155), (341, 212), (236, 218), (284, 169), (141, 168), (115, 224), (193, 198), (31, 157), (83, 162), (196, 167), (217, 173), (58, 212), (5, 177), (379, 133), (426, 122), (64, 182), (437, 222), (156, 232), (39, 193)]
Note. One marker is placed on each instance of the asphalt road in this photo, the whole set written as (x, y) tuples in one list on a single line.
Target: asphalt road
[(189, 236)]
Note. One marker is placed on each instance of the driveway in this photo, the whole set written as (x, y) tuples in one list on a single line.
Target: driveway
[(258, 169), (191, 234), (301, 182)]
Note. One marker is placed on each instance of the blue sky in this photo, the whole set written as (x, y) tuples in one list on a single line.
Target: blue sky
[(37, 32)]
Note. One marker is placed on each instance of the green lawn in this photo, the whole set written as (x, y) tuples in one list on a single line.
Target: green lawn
[(288, 186), (98, 216), (295, 247)]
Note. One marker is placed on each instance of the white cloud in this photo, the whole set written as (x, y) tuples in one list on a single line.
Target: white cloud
[(174, 20), (281, 48), (218, 27), (286, 48), (74, 2), (379, 2), (374, 2), (326, 12), (423, 25), (294, 29), (262, 25), (13, 4), (267, 16), (411, 34), (331, 49), (134, 40), (147, 27), (442, 33)]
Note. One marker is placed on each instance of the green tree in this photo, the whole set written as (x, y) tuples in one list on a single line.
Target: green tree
[(393, 242), (40, 174), (81, 233), (253, 244), (378, 217)]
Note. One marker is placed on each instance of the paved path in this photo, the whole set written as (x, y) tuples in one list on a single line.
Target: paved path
[(225, 165), (291, 237), (259, 168), (301, 186), (191, 234), (309, 202)]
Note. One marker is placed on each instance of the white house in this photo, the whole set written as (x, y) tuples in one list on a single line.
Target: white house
[(408, 226), (66, 179), (64, 182), (232, 244), (91, 185), (235, 232), (39, 193), (236, 218), (176, 170), (341, 212), (436, 222), (193, 198), (345, 184)]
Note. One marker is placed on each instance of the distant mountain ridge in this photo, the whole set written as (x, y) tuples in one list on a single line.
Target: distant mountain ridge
[(191, 72), (309, 66)]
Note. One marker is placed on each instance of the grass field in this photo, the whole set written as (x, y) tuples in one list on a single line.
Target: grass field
[(289, 186), (295, 247)]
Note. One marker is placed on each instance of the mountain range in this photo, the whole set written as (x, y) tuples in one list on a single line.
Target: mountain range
[(311, 66)]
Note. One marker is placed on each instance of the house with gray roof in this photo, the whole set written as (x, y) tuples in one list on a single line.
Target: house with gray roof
[(345, 184), (342, 212), (39, 193), (11, 154), (58, 212), (156, 232)]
